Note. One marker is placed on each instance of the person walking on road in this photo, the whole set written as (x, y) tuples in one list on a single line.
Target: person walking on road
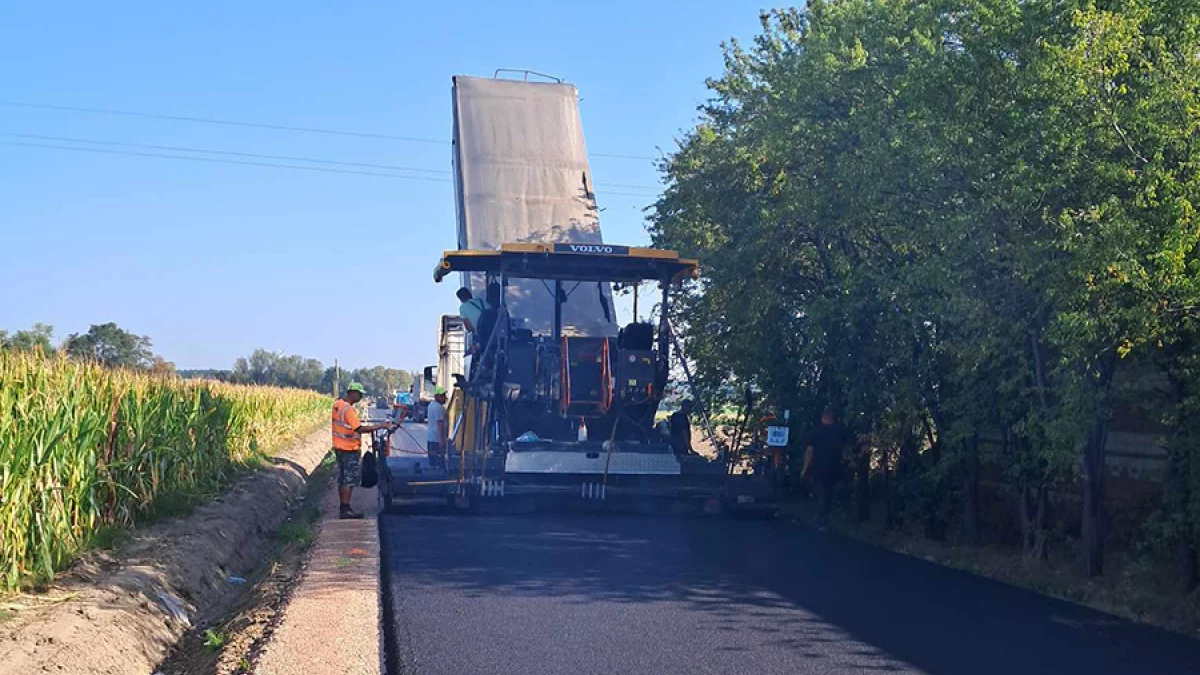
[(436, 438), (347, 444), (823, 460)]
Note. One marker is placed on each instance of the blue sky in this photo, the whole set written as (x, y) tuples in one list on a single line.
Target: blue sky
[(213, 260)]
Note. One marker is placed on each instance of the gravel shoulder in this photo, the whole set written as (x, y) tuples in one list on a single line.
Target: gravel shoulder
[(122, 612)]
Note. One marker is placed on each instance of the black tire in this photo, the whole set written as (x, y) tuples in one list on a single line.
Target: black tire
[(384, 490)]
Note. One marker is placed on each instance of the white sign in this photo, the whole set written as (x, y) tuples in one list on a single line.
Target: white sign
[(777, 437)]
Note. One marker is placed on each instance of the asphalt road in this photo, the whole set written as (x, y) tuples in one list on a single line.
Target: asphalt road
[(541, 594)]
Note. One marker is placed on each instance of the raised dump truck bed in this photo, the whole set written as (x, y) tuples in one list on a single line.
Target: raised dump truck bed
[(522, 175)]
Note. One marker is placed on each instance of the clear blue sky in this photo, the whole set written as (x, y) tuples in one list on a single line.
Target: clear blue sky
[(213, 260)]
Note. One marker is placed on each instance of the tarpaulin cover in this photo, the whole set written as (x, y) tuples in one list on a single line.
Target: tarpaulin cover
[(522, 175)]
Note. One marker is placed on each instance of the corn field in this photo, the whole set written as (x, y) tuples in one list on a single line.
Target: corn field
[(84, 448)]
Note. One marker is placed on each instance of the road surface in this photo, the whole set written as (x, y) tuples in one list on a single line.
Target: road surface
[(534, 595), (556, 595)]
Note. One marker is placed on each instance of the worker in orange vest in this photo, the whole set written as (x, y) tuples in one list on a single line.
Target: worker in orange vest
[(347, 444)]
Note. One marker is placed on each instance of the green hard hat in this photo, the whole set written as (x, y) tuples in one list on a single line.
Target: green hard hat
[(439, 390), (356, 386)]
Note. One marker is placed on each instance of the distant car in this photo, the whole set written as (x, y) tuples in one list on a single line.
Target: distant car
[(382, 403)]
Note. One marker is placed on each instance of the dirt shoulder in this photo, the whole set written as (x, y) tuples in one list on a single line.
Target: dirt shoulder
[(332, 621), (121, 613)]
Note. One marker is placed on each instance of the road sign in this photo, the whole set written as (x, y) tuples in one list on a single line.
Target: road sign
[(777, 437)]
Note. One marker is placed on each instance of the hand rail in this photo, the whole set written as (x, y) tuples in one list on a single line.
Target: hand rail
[(526, 72), (722, 454)]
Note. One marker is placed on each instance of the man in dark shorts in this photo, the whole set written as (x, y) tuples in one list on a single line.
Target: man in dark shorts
[(347, 444), (823, 461)]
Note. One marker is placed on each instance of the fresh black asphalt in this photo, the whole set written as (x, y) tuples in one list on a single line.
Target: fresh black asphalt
[(576, 595)]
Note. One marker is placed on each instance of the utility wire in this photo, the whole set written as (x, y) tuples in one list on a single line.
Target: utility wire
[(258, 125), (232, 123), (273, 165), (289, 158), (214, 160), (174, 148)]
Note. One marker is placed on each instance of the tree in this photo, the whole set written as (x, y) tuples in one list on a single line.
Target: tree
[(951, 218), (206, 374), (162, 367), (382, 381), (283, 370), (111, 345), (37, 337)]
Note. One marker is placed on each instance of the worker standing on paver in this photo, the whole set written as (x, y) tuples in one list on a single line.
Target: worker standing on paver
[(435, 439), (347, 444)]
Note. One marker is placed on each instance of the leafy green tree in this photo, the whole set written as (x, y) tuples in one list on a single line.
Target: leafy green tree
[(111, 345), (37, 337), (950, 218), (278, 369), (382, 381), (206, 374)]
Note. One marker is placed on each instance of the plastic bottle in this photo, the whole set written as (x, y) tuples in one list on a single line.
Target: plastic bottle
[(582, 430)]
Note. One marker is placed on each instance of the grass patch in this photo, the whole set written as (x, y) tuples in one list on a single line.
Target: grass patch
[(214, 641), (301, 528), (110, 537), (296, 532)]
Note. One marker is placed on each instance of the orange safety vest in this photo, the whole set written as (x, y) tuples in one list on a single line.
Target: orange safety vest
[(344, 437)]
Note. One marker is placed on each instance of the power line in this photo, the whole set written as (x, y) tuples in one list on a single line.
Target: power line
[(214, 160), (613, 156), (273, 165), (233, 123), (289, 158), (175, 148), (625, 185), (259, 125)]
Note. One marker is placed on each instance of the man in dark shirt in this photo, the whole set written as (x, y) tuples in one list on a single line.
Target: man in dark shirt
[(680, 424), (823, 459)]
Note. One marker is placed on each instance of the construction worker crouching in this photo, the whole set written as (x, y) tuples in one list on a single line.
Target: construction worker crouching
[(347, 444), (479, 315)]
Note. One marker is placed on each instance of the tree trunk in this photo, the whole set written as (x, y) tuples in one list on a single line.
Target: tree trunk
[(862, 484), (1178, 500), (1033, 523), (1189, 567), (971, 491), (1041, 543), (1093, 498), (1179, 470), (1095, 470), (889, 518)]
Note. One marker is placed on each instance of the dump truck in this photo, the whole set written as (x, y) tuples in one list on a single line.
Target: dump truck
[(422, 393), (452, 343)]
